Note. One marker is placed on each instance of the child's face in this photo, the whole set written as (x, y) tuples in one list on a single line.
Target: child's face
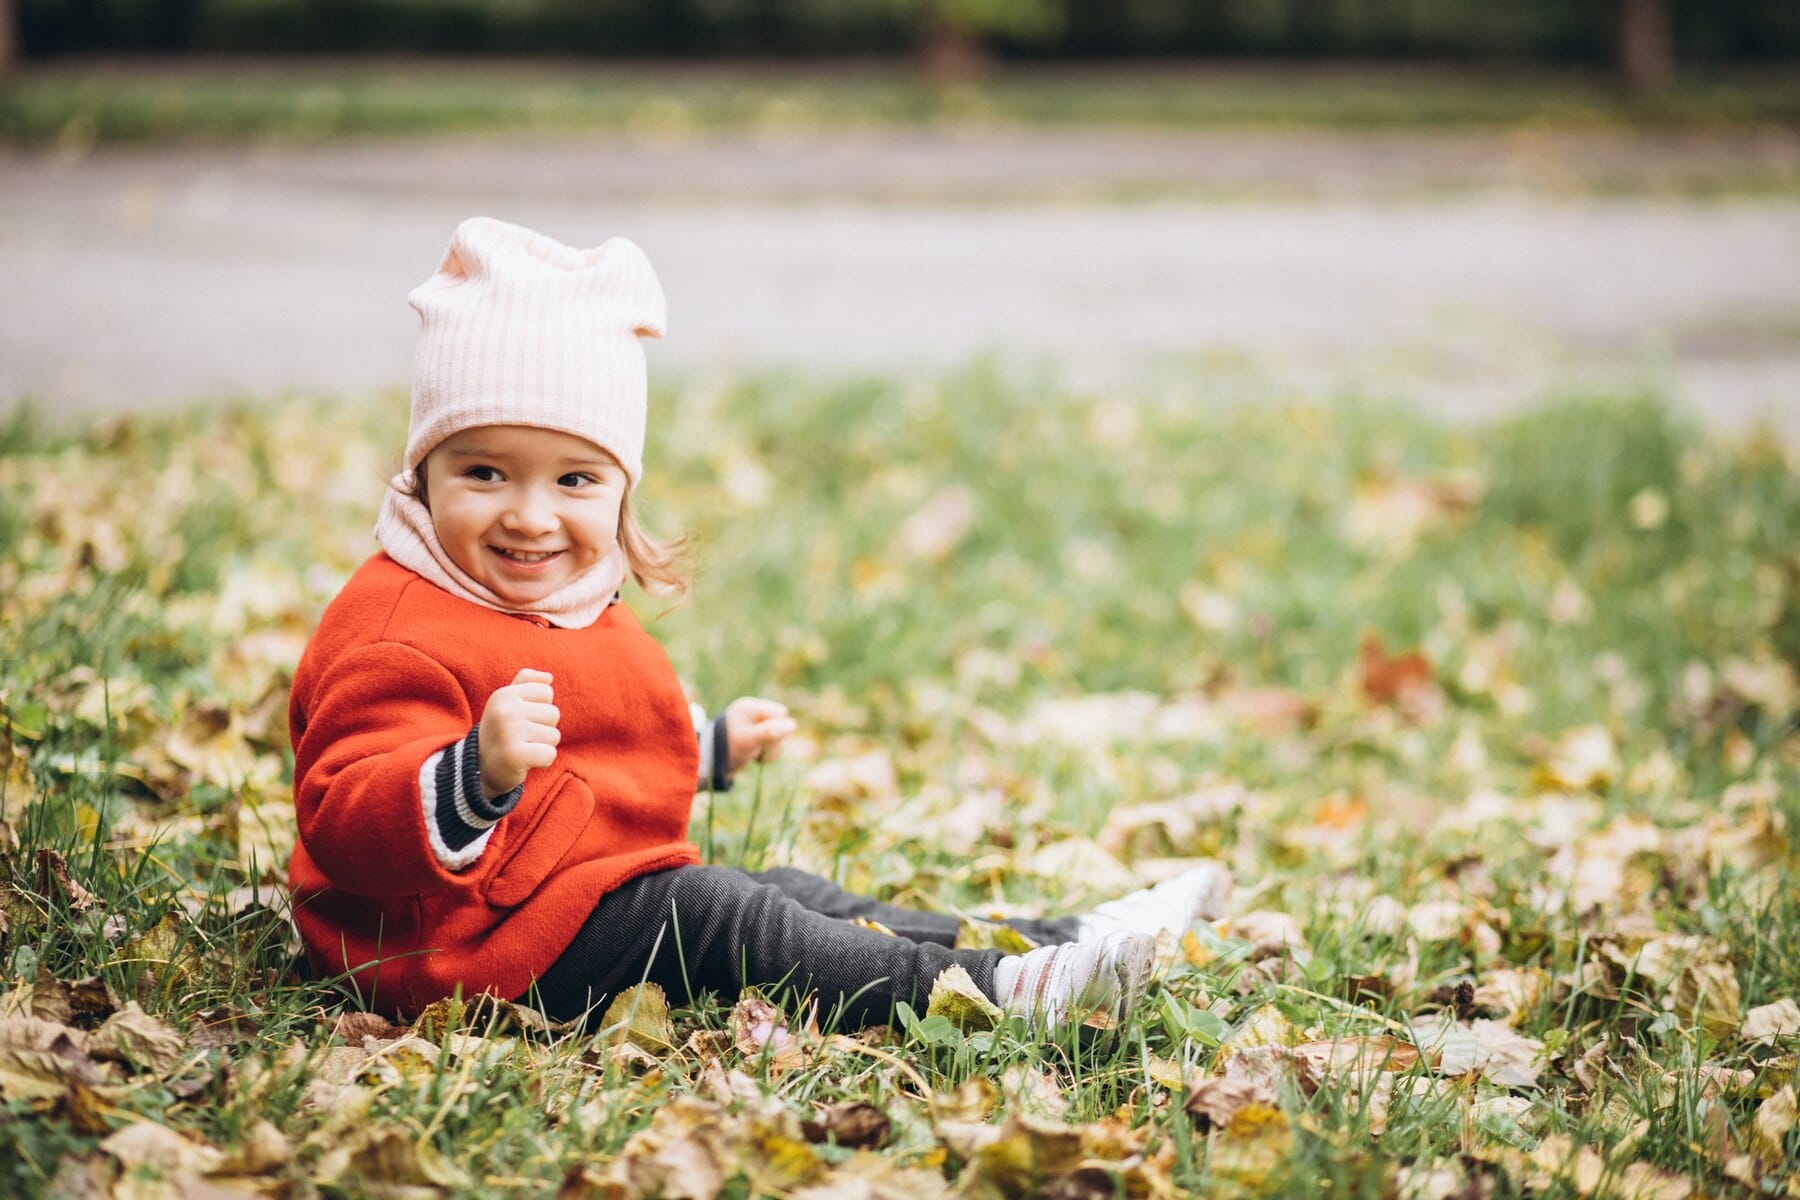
[(524, 510)]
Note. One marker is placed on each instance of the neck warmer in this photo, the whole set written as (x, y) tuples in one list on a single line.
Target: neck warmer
[(405, 530)]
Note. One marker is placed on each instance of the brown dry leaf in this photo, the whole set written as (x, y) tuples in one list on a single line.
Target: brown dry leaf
[(15, 776), (1405, 682), (867, 1176), (353, 1027), (1325, 1062), (209, 743), (1767, 1024), (1512, 992), (40, 1059), (639, 1016), (1267, 932), (853, 1124), (1025, 1157), (1493, 1048), (387, 1159), (693, 1147), (53, 880), (974, 1099), (45, 998), (761, 1032), (262, 1149), (1214, 1101), (166, 949), (1706, 994), (1583, 1169), (1775, 1120), (173, 1163), (135, 1038)]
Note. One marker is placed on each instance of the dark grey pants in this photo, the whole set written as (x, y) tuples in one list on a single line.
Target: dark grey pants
[(718, 929)]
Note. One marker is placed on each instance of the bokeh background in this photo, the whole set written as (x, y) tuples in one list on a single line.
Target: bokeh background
[(1466, 205)]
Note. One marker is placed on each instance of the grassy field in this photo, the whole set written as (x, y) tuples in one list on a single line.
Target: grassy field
[(1497, 728), (139, 101)]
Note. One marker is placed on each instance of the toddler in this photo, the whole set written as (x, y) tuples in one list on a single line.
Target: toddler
[(494, 763)]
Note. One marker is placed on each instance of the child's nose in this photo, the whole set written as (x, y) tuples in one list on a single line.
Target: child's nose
[(531, 514)]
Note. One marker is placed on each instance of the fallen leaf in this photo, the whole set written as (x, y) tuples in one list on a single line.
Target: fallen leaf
[(1767, 1024), (1214, 1101), (53, 880), (639, 1015), (135, 1038), (972, 933), (39, 1059), (1324, 1062), (955, 997), (1405, 682), (761, 1032), (1775, 1119), (383, 1157), (853, 1124), (1493, 1048)]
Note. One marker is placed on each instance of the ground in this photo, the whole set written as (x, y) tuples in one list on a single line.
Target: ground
[(1474, 271)]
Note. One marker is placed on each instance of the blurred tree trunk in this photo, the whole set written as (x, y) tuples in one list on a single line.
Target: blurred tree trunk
[(1646, 54)]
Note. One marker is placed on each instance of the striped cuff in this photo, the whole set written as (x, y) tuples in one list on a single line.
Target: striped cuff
[(458, 818), (715, 750), (718, 761)]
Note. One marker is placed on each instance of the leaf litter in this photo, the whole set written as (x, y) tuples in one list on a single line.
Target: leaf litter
[(1515, 902)]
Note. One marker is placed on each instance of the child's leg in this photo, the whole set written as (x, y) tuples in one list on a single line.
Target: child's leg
[(720, 930), (828, 899)]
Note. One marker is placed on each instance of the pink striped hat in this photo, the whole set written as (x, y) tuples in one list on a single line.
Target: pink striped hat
[(518, 329)]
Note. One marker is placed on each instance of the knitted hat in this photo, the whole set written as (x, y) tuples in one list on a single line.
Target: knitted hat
[(518, 329)]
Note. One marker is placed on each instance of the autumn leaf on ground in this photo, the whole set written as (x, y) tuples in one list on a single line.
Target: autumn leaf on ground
[(955, 997), (639, 1015), (1493, 1048), (1405, 682)]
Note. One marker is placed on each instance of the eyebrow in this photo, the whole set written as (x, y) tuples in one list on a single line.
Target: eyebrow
[(484, 452)]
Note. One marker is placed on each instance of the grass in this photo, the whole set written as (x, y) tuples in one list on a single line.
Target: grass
[(1509, 710), (79, 103)]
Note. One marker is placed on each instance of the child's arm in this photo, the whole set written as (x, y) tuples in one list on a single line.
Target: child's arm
[(373, 722), (748, 729)]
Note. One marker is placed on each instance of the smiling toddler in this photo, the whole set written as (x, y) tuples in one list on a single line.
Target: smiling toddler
[(494, 764)]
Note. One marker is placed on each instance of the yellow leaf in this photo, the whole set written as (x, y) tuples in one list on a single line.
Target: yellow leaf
[(955, 996), (640, 1016)]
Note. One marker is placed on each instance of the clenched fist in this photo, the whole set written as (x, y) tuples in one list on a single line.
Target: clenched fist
[(518, 732), (754, 728)]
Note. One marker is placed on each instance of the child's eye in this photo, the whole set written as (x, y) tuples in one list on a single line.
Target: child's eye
[(483, 474), (576, 479)]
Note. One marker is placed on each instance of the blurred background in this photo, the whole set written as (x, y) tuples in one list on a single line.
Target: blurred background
[(1465, 205)]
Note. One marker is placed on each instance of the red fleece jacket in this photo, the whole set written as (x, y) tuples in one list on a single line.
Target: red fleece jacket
[(398, 670)]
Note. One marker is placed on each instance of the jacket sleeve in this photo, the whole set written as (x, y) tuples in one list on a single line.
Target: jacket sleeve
[(374, 719)]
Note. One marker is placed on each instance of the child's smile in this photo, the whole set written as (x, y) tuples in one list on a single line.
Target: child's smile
[(523, 510)]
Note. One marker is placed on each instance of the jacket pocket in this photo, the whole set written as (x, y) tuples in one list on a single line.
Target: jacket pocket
[(539, 842)]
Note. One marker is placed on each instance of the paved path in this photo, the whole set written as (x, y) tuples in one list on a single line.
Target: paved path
[(1451, 268)]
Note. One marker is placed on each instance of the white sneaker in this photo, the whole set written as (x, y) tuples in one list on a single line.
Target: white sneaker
[(1199, 893), (1054, 985)]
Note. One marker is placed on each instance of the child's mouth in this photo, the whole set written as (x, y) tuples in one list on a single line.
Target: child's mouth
[(525, 558)]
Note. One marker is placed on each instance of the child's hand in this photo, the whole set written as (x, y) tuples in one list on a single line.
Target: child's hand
[(754, 728), (518, 732)]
